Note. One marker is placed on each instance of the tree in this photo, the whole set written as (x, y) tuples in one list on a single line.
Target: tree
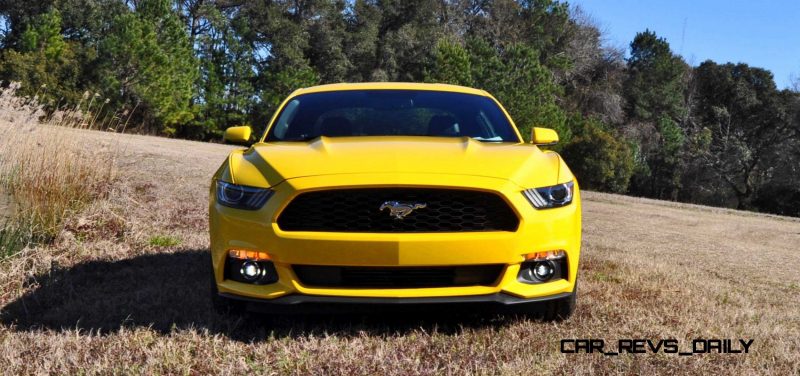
[(750, 124), (149, 65), (224, 88), (326, 52), (408, 34), (18, 15), (361, 40), (599, 159), (45, 64), (540, 24), (780, 192), (278, 33), (517, 78), (654, 92), (452, 65), (593, 81)]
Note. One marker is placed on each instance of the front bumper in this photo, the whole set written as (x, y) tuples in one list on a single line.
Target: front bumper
[(334, 304), (539, 230)]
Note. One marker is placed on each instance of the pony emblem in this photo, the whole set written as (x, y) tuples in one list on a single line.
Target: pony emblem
[(400, 210)]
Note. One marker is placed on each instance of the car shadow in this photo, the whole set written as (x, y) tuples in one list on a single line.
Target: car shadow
[(170, 291)]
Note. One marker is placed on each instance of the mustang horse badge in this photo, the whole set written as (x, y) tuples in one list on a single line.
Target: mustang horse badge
[(400, 210)]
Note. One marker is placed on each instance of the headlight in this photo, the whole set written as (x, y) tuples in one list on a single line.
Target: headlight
[(550, 197), (242, 197)]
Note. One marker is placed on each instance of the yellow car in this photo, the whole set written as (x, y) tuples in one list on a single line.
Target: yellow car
[(394, 194)]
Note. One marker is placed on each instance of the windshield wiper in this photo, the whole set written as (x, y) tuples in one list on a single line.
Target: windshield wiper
[(491, 139)]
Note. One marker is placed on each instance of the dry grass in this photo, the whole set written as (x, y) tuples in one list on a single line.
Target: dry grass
[(47, 171), (107, 298)]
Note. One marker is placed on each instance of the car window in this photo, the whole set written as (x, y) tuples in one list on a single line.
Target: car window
[(392, 113), (289, 111)]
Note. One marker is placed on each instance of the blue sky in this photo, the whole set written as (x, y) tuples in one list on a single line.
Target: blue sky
[(764, 34)]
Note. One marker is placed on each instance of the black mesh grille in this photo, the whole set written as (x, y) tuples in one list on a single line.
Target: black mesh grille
[(359, 210), (397, 277)]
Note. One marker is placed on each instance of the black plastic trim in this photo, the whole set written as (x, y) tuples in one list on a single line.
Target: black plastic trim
[(500, 299), (398, 276)]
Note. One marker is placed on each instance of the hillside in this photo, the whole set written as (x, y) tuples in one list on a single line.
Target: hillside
[(124, 289)]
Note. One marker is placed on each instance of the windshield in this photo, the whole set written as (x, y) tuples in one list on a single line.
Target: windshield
[(391, 113)]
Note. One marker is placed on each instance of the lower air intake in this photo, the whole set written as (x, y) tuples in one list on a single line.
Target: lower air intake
[(397, 277)]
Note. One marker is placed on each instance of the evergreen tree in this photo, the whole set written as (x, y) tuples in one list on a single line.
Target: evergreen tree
[(654, 92), (149, 65), (45, 62), (452, 65), (525, 87)]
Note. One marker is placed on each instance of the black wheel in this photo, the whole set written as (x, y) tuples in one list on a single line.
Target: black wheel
[(221, 304), (552, 310)]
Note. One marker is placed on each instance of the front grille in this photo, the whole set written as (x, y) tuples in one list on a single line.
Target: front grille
[(397, 277), (359, 210)]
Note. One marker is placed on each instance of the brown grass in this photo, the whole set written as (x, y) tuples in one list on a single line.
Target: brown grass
[(47, 171), (106, 298)]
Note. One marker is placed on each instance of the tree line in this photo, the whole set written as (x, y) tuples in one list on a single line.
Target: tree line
[(641, 121)]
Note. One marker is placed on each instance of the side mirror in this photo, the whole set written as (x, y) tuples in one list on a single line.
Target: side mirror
[(544, 136), (238, 135)]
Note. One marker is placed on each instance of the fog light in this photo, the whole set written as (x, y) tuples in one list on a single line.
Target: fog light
[(543, 270), (251, 271), (545, 266)]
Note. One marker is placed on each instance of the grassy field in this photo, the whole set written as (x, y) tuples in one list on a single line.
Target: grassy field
[(123, 289)]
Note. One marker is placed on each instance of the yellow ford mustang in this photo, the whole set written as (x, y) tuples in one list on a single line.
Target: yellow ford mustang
[(391, 194)]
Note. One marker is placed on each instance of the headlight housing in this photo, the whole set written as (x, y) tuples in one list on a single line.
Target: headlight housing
[(550, 197), (241, 196)]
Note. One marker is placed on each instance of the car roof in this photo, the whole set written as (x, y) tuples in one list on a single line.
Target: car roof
[(390, 86)]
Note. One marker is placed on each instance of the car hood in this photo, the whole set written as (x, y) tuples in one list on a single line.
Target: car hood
[(267, 164)]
